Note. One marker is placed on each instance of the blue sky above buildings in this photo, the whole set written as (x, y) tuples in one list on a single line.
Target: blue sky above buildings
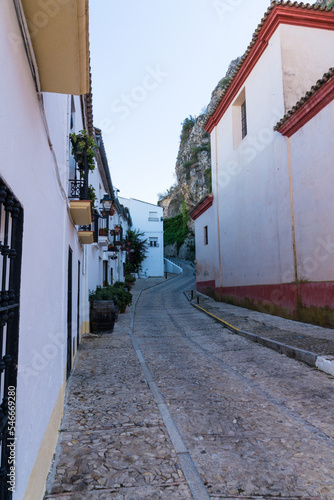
[(155, 62)]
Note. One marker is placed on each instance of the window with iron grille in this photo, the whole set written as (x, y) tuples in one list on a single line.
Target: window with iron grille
[(11, 230)]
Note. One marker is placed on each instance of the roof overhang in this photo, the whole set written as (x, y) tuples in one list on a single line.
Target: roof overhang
[(60, 38), (315, 100), (201, 207), (299, 15)]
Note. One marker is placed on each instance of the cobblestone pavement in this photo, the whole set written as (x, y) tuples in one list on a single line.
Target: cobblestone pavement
[(181, 408)]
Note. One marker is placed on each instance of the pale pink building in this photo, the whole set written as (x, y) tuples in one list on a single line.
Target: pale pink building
[(265, 237)]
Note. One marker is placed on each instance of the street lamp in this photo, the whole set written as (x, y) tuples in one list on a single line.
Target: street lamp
[(106, 205)]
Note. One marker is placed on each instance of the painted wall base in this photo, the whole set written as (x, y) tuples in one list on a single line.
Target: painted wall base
[(307, 302), (36, 486)]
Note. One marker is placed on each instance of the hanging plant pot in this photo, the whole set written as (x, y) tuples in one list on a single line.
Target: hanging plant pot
[(79, 158), (112, 211), (103, 231), (112, 232)]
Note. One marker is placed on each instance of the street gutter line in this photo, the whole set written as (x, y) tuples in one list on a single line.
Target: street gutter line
[(323, 363), (189, 469)]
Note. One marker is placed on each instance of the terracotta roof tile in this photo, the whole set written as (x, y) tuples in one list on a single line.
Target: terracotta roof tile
[(287, 3), (327, 76)]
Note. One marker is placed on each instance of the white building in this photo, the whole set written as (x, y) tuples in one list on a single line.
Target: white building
[(107, 254), (148, 219), (263, 239), (47, 265)]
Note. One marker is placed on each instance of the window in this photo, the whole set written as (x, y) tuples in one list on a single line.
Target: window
[(243, 120), (239, 119), (206, 235), (105, 273), (153, 216), (11, 231), (153, 242)]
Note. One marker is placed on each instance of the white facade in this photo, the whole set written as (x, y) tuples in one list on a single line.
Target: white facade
[(271, 193), (57, 269), (148, 219)]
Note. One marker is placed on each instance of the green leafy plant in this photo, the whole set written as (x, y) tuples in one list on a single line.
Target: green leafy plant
[(136, 251), (82, 142), (92, 195), (129, 279), (118, 292), (176, 228), (224, 81), (187, 126)]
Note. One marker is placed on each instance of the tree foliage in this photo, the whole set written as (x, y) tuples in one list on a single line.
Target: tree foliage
[(136, 251)]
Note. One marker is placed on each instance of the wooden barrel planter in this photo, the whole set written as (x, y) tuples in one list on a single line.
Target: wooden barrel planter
[(103, 314)]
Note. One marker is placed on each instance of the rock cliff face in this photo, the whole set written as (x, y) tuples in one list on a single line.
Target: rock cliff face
[(193, 164)]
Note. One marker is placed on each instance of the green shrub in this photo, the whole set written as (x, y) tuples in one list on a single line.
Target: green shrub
[(187, 126), (176, 228), (117, 292)]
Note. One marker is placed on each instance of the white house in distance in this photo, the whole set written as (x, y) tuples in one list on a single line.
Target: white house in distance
[(265, 237), (51, 249), (148, 219)]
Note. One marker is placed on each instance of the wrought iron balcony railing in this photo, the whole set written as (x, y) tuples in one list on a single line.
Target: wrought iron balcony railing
[(79, 189)]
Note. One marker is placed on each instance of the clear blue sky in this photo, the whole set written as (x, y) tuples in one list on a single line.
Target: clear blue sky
[(155, 62)]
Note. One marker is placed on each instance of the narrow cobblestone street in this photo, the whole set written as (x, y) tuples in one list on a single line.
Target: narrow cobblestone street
[(174, 406)]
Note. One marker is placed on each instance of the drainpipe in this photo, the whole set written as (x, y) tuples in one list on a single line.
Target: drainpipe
[(218, 221), (292, 221)]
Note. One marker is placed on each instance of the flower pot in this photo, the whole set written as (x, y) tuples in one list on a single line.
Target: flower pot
[(103, 231)]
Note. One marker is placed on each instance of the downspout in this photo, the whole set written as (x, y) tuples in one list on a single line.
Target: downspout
[(218, 220), (293, 223)]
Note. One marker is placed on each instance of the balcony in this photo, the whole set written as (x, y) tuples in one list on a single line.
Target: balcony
[(81, 205), (104, 236), (60, 40), (86, 235)]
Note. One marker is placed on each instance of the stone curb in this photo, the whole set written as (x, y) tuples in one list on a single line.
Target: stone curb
[(323, 363)]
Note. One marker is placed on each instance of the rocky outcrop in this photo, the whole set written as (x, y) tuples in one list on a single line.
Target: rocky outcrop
[(193, 164), (193, 170)]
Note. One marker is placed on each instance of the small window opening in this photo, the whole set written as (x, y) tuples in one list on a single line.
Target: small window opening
[(243, 120), (206, 235)]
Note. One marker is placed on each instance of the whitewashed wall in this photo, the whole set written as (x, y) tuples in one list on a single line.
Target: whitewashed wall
[(207, 256), (250, 182), (312, 184), (30, 170), (306, 56), (255, 201)]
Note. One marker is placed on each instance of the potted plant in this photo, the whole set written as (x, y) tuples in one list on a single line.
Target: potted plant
[(123, 297), (129, 280), (82, 143), (103, 231), (117, 229)]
